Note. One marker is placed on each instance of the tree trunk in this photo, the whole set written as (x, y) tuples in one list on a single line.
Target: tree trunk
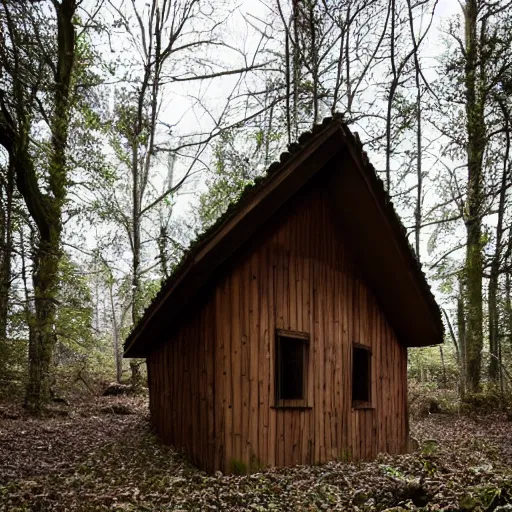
[(461, 326), (508, 302), (392, 90), (115, 331), (494, 330), (48, 251), (136, 300), (136, 245), (136, 377), (475, 125), (314, 61), (474, 333), (288, 86), (443, 366), (350, 97), (296, 68), (6, 203), (43, 339), (454, 339), (419, 147), (493, 323)]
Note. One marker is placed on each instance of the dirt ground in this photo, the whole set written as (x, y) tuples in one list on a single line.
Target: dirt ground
[(91, 457)]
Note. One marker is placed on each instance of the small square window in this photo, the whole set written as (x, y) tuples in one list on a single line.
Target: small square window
[(361, 375), (291, 365)]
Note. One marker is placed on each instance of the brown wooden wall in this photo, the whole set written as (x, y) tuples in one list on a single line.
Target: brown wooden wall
[(212, 385), (181, 387)]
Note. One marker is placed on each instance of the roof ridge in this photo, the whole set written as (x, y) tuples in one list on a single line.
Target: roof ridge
[(260, 181)]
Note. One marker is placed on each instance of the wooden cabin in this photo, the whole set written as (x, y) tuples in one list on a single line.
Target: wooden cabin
[(282, 337)]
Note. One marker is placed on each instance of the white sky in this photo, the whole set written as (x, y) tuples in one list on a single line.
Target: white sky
[(447, 8)]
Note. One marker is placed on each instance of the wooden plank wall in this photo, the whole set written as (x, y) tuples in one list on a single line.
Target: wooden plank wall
[(181, 387), (301, 277), (212, 384)]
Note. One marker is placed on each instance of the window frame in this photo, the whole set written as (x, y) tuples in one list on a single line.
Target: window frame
[(362, 404), (298, 403)]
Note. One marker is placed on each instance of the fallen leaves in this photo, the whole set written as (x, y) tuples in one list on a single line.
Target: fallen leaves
[(97, 459)]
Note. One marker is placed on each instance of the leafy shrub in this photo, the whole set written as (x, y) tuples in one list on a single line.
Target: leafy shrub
[(425, 399), (488, 401)]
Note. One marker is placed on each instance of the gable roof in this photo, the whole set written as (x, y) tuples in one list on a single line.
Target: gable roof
[(364, 211)]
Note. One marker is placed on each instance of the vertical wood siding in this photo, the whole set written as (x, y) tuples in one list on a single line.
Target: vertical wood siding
[(181, 379), (212, 384)]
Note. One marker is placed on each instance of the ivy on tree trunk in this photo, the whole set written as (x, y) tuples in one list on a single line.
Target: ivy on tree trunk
[(44, 201), (475, 151)]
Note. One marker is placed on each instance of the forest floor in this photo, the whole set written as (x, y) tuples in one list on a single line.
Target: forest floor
[(93, 458)]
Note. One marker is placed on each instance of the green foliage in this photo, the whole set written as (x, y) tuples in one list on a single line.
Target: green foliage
[(488, 401), (429, 466), (426, 398), (238, 467), (13, 372), (485, 497), (405, 113), (239, 157), (425, 366), (394, 472), (231, 174), (74, 317), (79, 347), (429, 447)]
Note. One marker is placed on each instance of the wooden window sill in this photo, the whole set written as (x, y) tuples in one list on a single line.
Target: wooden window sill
[(362, 406), (303, 407)]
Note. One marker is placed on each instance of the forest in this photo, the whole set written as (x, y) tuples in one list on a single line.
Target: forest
[(127, 127)]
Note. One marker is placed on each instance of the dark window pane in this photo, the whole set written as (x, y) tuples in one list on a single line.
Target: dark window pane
[(290, 370), (361, 375)]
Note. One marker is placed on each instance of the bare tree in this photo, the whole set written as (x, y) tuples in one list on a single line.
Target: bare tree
[(167, 36)]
